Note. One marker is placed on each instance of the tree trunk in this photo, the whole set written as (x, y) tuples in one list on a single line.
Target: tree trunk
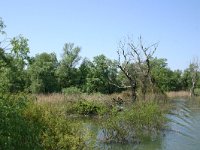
[(192, 88), (133, 90), (144, 91)]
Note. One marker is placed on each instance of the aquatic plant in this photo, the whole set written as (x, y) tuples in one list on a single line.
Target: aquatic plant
[(142, 119)]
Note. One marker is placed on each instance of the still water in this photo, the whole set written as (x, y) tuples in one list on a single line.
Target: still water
[(183, 132)]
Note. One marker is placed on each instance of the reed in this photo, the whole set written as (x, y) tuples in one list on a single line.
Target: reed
[(51, 98), (178, 94)]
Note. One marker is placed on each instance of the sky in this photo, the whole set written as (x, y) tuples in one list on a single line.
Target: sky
[(97, 26)]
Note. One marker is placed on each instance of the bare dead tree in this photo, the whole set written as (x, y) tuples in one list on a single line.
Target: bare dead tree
[(145, 66), (134, 62), (194, 70), (125, 68)]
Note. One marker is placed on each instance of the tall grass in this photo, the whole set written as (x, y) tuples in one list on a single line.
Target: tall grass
[(178, 94), (50, 98), (96, 97)]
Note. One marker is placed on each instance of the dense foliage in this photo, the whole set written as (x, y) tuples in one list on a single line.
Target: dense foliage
[(27, 125)]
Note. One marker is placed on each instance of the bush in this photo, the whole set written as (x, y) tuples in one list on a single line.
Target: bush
[(15, 132), (197, 91), (84, 107), (28, 125), (145, 115), (71, 91), (56, 131), (141, 120)]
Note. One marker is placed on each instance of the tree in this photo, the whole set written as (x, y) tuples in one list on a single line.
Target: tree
[(3, 59), (67, 71), (2, 26), (84, 71), (176, 81), (2, 32), (20, 49), (12, 71), (13, 60), (102, 71), (186, 80), (194, 70), (42, 73), (134, 62), (164, 78)]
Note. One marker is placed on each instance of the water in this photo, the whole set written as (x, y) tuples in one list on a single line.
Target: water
[(185, 126), (183, 133)]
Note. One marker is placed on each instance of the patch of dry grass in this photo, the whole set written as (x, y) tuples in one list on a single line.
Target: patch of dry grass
[(178, 94), (59, 98), (50, 98), (108, 99)]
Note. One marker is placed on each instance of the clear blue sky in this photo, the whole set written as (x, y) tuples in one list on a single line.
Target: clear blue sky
[(98, 25)]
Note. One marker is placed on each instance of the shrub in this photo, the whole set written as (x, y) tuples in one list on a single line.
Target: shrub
[(15, 132), (197, 91), (56, 131), (142, 119), (71, 91), (84, 107), (28, 125)]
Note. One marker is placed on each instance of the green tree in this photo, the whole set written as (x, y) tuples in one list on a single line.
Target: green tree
[(2, 26), (3, 59), (12, 72), (176, 79), (186, 79), (164, 77), (160, 73), (42, 73), (67, 72), (102, 72), (84, 71)]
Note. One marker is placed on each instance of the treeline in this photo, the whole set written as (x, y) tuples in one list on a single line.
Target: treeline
[(44, 73)]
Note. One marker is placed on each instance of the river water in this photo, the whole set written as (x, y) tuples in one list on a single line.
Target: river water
[(184, 128), (183, 131)]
